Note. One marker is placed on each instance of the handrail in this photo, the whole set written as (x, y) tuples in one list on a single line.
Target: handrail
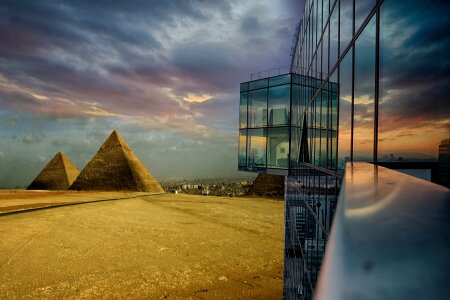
[(286, 70), (390, 238)]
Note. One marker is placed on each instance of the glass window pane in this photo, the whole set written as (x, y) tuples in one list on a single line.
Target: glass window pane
[(314, 26), (326, 9), (345, 110), (362, 10), (414, 80), (295, 146), (332, 122), (257, 84), (322, 149), (279, 105), (242, 147), (364, 101), (318, 67), (334, 37), (325, 50), (346, 21), (319, 18), (296, 104), (244, 87), (317, 111), (324, 108), (282, 79), (243, 110), (257, 108), (278, 148), (256, 147)]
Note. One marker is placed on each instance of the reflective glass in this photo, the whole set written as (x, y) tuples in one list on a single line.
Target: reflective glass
[(242, 147), (362, 10), (345, 110), (257, 110), (311, 139), (256, 147), (324, 108), (296, 105), (334, 37), (332, 141), (346, 21), (279, 105), (319, 19), (278, 147), (295, 146), (317, 111), (325, 52), (244, 87), (326, 9), (257, 84), (282, 79), (243, 110), (414, 105), (364, 99), (314, 25), (318, 68), (322, 150)]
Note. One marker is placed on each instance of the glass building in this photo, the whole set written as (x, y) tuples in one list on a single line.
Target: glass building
[(270, 123), (369, 82)]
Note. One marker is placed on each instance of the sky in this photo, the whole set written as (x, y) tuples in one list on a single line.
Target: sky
[(165, 74)]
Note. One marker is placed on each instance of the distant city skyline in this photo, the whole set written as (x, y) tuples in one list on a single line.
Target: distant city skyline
[(165, 74)]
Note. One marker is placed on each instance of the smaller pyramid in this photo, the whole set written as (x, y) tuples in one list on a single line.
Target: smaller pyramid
[(116, 168), (267, 184), (58, 174)]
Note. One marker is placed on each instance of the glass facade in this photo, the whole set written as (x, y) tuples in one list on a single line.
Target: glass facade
[(369, 82), (270, 121), (391, 58)]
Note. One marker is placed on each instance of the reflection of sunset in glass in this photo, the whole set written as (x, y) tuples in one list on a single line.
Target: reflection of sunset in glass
[(258, 142)]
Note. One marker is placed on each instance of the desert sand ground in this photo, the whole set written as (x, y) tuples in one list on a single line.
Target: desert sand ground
[(142, 246)]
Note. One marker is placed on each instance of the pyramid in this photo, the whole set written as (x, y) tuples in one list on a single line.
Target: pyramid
[(115, 167), (267, 184), (58, 174)]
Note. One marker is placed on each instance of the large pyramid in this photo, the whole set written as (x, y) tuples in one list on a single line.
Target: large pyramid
[(58, 174), (115, 167)]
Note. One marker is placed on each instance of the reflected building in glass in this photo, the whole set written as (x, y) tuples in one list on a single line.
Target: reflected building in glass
[(270, 123), (368, 82)]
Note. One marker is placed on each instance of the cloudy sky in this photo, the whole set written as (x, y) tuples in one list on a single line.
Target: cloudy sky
[(165, 74)]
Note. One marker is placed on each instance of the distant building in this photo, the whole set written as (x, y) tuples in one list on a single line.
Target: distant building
[(444, 162)]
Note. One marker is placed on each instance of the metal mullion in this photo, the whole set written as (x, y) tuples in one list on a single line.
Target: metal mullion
[(267, 121), (353, 85), (337, 68), (377, 84)]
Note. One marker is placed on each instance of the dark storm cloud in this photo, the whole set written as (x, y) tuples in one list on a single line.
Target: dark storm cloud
[(414, 64), (89, 51), (78, 69), (250, 25)]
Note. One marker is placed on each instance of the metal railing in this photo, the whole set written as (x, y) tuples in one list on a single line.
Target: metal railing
[(270, 73), (285, 70), (390, 238), (310, 202)]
